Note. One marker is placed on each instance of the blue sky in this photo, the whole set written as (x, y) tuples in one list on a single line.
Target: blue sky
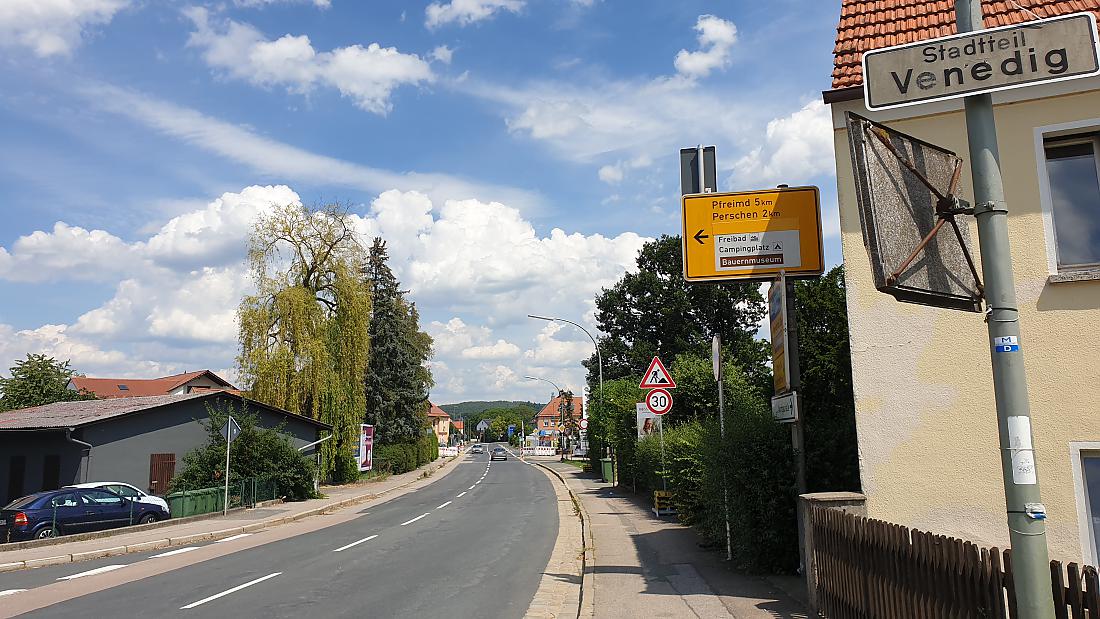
[(514, 153)]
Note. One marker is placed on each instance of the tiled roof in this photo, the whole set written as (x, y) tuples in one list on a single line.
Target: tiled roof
[(871, 24), (72, 414), (136, 387), (435, 411), (457, 423), (551, 408)]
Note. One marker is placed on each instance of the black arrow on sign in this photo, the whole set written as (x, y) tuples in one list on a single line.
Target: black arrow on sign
[(699, 236)]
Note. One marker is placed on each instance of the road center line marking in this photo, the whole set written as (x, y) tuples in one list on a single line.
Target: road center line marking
[(365, 539), (471, 487), (414, 519), (444, 505), (229, 591), (233, 537), (177, 551), (11, 592), (459, 496), (98, 570)]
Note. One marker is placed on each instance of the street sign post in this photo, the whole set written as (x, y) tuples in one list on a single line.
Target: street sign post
[(752, 234), (785, 407), (230, 431), (657, 377), (694, 179), (777, 313), (983, 61), (658, 401)]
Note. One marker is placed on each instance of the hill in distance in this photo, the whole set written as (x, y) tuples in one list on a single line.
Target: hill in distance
[(465, 409)]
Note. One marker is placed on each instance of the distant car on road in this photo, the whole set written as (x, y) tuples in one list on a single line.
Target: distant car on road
[(125, 490), (477, 449), (499, 453), (72, 510)]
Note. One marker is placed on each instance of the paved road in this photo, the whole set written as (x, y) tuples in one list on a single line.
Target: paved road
[(472, 544)]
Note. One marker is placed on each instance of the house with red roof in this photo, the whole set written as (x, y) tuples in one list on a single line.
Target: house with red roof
[(929, 453), (441, 423), (177, 384), (549, 419)]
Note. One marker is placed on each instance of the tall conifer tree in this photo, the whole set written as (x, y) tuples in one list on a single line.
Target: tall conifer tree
[(397, 378)]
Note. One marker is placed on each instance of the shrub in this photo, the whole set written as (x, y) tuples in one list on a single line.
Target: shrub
[(346, 469), (258, 452)]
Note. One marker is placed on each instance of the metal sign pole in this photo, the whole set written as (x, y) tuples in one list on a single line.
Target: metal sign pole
[(719, 377), (1026, 514), (664, 471), (228, 442)]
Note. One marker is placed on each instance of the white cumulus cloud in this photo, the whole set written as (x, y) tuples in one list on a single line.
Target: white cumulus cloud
[(716, 38), (796, 148), (473, 268), (53, 27), (367, 75), (465, 12)]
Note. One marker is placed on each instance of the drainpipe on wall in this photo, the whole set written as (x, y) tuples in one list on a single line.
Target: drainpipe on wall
[(88, 446)]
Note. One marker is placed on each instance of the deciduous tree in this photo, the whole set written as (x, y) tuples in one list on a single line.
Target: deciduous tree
[(38, 380), (304, 334), (654, 311)]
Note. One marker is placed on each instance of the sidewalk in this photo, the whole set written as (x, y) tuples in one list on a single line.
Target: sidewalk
[(123, 541), (651, 567)]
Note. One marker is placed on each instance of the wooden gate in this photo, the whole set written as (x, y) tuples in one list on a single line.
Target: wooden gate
[(161, 469)]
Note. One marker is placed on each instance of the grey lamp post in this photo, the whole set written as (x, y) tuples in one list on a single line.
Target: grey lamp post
[(599, 356)]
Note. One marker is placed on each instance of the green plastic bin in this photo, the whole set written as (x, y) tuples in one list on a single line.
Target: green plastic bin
[(607, 470)]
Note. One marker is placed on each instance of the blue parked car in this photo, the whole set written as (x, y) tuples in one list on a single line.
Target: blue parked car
[(72, 510)]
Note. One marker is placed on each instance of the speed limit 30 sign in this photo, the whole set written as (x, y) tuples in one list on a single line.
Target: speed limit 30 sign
[(658, 401)]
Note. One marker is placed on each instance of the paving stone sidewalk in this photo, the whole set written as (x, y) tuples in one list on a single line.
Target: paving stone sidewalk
[(123, 541), (645, 566)]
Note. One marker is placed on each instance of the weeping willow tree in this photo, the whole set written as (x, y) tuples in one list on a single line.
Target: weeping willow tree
[(304, 334)]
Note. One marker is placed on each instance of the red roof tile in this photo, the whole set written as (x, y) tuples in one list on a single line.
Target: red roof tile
[(137, 387), (551, 408), (871, 24), (435, 411)]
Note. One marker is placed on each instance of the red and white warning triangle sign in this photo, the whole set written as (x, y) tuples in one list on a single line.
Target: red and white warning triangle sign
[(657, 377)]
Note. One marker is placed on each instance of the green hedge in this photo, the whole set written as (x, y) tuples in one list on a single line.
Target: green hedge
[(406, 456)]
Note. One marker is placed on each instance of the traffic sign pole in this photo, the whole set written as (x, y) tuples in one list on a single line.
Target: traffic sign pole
[(1026, 514)]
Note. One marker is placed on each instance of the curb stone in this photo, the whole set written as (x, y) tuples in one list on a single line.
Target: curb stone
[(586, 606), (196, 537)]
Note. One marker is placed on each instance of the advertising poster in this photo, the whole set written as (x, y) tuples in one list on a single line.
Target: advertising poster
[(649, 423), (365, 457)]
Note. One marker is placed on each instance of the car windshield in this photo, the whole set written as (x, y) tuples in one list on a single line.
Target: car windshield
[(22, 502)]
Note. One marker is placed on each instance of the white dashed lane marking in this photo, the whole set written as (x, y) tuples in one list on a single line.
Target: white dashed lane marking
[(230, 591), (177, 551), (414, 519), (444, 505), (355, 543), (98, 570), (459, 496)]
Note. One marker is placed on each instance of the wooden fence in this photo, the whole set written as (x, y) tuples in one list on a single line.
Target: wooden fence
[(868, 568)]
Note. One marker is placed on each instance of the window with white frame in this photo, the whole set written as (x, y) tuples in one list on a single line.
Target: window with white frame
[(1090, 479), (1073, 172)]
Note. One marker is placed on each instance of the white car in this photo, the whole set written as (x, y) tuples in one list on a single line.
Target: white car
[(127, 491)]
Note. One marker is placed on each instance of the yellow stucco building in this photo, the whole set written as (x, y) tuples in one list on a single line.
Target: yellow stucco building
[(925, 412)]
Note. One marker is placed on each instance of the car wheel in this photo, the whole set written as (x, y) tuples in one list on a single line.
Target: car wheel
[(46, 533), (147, 518)]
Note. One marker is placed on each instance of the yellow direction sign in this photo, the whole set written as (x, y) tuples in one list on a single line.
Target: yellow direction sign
[(752, 234)]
